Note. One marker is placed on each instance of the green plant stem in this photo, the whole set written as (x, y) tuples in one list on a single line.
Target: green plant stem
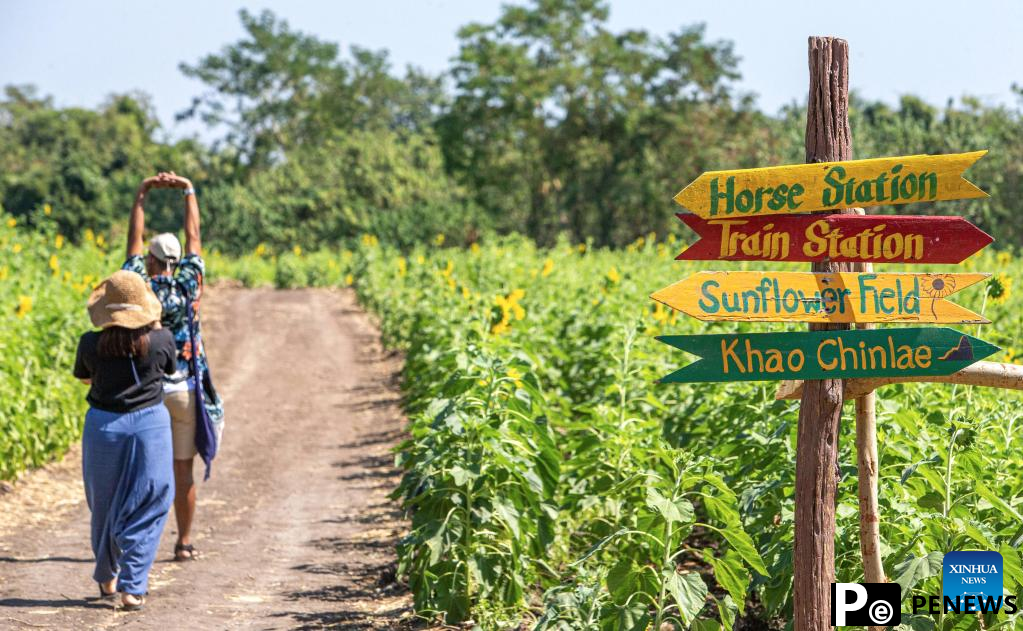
[(946, 507), (669, 566), (623, 400), (955, 434), (983, 308)]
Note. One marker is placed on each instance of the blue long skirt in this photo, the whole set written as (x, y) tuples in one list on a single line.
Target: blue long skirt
[(127, 464)]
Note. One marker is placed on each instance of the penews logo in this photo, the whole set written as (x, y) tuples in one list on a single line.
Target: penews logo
[(971, 579), (865, 604)]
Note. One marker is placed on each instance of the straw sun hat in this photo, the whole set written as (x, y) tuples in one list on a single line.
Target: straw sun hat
[(125, 299)]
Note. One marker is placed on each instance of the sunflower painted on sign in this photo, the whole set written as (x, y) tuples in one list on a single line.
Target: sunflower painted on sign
[(938, 286)]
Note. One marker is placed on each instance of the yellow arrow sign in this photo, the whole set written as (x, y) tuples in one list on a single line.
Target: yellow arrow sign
[(802, 188), (807, 297)]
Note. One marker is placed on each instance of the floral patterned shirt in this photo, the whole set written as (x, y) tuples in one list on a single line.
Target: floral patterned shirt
[(175, 293)]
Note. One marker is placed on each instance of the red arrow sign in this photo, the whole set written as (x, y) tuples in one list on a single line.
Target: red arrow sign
[(839, 238)]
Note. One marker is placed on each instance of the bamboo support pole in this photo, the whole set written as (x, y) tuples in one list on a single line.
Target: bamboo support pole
[(867, 476), (986, 374)]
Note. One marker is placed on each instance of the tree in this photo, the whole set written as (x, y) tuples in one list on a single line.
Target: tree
[(278, 89), (85, 164), (557, 123)]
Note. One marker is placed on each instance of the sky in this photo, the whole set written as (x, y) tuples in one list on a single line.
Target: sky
[(80, 52)]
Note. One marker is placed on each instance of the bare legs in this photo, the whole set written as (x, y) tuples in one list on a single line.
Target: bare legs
[(184, 504)]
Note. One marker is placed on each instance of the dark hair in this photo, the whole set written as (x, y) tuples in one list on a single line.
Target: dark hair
[(117, 341)]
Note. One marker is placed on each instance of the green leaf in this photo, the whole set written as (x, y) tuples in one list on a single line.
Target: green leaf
[(632, 618), (461, 475), (508, 515), (673, 512), (932, 477), (845, 510), (434, 541), (730, 573), (917, 623), (911, 469), (715, 480), (932, 500), (600, 544), (975, 533), (689, 592), (997, 502), (1011, 566), (743, 544), (623, 580), (727, 611), (721, 511), (916, 569)]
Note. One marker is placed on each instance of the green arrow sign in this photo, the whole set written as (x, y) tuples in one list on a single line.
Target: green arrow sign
[(826, 354)]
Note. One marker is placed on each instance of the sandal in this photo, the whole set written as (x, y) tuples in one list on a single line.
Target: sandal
[(134, 607), (105, 595), (189, 548)]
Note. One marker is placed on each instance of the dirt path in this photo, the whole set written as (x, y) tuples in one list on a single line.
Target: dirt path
[(295, 525)]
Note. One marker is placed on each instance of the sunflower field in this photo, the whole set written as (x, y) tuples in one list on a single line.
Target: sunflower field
[(550, 482), (44, 282)]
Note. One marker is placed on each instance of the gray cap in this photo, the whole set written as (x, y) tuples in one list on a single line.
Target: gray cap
[(165, 247)]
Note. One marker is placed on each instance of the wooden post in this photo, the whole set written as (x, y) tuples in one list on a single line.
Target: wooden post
[(828, 138)]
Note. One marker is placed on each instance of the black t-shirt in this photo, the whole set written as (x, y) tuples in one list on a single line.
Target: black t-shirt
[(123, 384)]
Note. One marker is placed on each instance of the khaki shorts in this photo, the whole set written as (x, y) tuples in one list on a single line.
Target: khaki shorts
[(181, 406)]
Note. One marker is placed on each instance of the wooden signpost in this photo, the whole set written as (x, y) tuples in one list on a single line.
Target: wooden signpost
[(737, 218), (802, 188), (828, 139), (839, 238), (826, 354), (836, 298)]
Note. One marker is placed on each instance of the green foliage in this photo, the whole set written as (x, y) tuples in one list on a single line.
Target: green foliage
[(278, 89), (43, 286), (482, 472), (87, 163), (323, 147), (548, 122), (672, 504), (559, 124), (380, 181)]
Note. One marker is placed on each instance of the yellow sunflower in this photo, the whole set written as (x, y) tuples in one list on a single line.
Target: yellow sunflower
[(999, 288)]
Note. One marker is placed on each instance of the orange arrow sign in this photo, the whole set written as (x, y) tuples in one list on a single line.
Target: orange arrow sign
[(807, 297)]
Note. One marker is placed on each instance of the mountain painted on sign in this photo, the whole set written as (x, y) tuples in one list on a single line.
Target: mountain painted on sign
[(962, 352)]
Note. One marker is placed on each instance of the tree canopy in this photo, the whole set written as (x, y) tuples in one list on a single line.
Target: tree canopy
[(547, 122)]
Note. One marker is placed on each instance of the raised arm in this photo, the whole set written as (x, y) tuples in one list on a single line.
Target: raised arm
[(193, 238), (137, 221)]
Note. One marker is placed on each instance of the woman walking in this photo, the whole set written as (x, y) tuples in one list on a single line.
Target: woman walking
[(178, 284), (126, 445)]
